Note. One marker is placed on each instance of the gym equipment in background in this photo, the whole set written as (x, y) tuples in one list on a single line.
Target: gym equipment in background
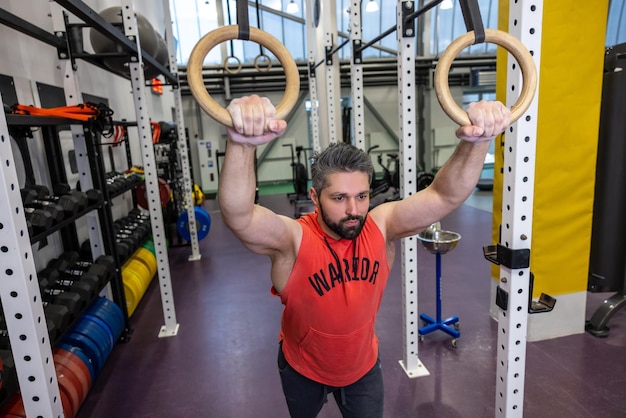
[(299, 174), (607, 270), (148, 39), (438, 242), (203, 224)]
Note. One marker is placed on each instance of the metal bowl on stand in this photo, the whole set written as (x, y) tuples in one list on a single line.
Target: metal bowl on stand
[(437, 240)]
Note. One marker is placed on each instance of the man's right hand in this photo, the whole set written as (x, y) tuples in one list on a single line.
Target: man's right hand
[(254, 121)]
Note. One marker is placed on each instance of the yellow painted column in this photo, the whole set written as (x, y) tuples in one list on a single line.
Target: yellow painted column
[(570, 88)]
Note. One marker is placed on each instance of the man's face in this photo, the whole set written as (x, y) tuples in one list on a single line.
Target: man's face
[(343, 205)]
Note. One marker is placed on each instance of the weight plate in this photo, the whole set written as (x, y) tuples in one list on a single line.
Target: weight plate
[(76, 366), (69, 384), (87, 346), (132, 290), (97, 334), (109, 312), (140, 269), (66, 402), (67, 349), (145, 256), (149, 245), (203, 224), (164, 194), (14, 407), (74, 362), (102, 324)]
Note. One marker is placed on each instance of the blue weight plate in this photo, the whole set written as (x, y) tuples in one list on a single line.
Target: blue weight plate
[(104, 325), (106, 310), (97, 334), (81, 355), (88, 346), (110, 313), (203, 222)]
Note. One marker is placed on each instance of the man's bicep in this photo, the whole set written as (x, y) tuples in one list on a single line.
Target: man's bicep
[(268, 232), (411, 215)]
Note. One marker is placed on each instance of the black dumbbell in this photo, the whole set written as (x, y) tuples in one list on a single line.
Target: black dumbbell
[(94, 196), (39, 219), (64, 189), (70, 263), (60, 316), (60, 207), (114, 183), (136, 231), (55, 283), (123, 249), (125, 246)]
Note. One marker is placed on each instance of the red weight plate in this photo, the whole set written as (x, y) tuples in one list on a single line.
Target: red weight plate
[(81, 373), (14, 407), (164, 194), (68, 411), (70, 386), (65, 374), (72, 361)]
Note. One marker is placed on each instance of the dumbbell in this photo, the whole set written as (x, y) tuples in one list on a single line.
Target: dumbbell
[(39, 219), (94, 196), (122, 247), (58, 318), (64, 189), (130, 228), (126, 245), (57, 285), (117, 183), (59, 208), (69, 262), (138, 214)]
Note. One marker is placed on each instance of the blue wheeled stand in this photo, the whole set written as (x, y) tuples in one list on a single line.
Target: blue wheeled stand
[(439, 242)]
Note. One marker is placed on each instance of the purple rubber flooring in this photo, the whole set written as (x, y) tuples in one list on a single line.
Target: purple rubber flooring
[(222, 363)]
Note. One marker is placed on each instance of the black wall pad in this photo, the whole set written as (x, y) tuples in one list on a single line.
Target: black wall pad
[(607, 267), (7, 89)]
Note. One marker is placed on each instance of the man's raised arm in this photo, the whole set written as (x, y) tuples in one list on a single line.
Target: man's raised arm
[(254, 124)]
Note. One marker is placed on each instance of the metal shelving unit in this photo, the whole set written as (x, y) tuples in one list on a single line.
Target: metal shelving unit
[(19, 287)]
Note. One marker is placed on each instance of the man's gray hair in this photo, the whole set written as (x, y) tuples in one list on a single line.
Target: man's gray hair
[(339, 157)]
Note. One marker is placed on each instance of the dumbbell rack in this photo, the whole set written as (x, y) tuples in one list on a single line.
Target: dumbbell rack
[(19, 289), (20, 298)]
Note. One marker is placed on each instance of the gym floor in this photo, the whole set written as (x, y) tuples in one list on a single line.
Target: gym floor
[(222, 363)]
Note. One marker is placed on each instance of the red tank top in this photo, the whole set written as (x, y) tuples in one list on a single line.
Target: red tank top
[(331, 300)]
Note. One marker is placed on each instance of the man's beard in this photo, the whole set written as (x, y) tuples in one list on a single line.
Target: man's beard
[(346, 232)]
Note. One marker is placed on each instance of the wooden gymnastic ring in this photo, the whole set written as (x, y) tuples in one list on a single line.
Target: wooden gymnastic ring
[(225, 33), (232, 71), (505, 40), (258, 66)]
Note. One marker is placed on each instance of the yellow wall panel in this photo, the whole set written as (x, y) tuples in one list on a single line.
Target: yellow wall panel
[(570, 86)]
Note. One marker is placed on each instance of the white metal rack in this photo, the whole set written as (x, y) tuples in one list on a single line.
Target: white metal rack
[(181, 145), (356, 76), (312, 22), (138, 84), (21, 297), (19, 287), (525, 22), (410, 362)]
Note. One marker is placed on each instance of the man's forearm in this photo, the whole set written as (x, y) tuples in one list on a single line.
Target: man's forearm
[(458, 177), (237, 183)]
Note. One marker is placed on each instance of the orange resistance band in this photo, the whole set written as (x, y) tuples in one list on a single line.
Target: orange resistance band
[(82, 112), (156, 132)]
